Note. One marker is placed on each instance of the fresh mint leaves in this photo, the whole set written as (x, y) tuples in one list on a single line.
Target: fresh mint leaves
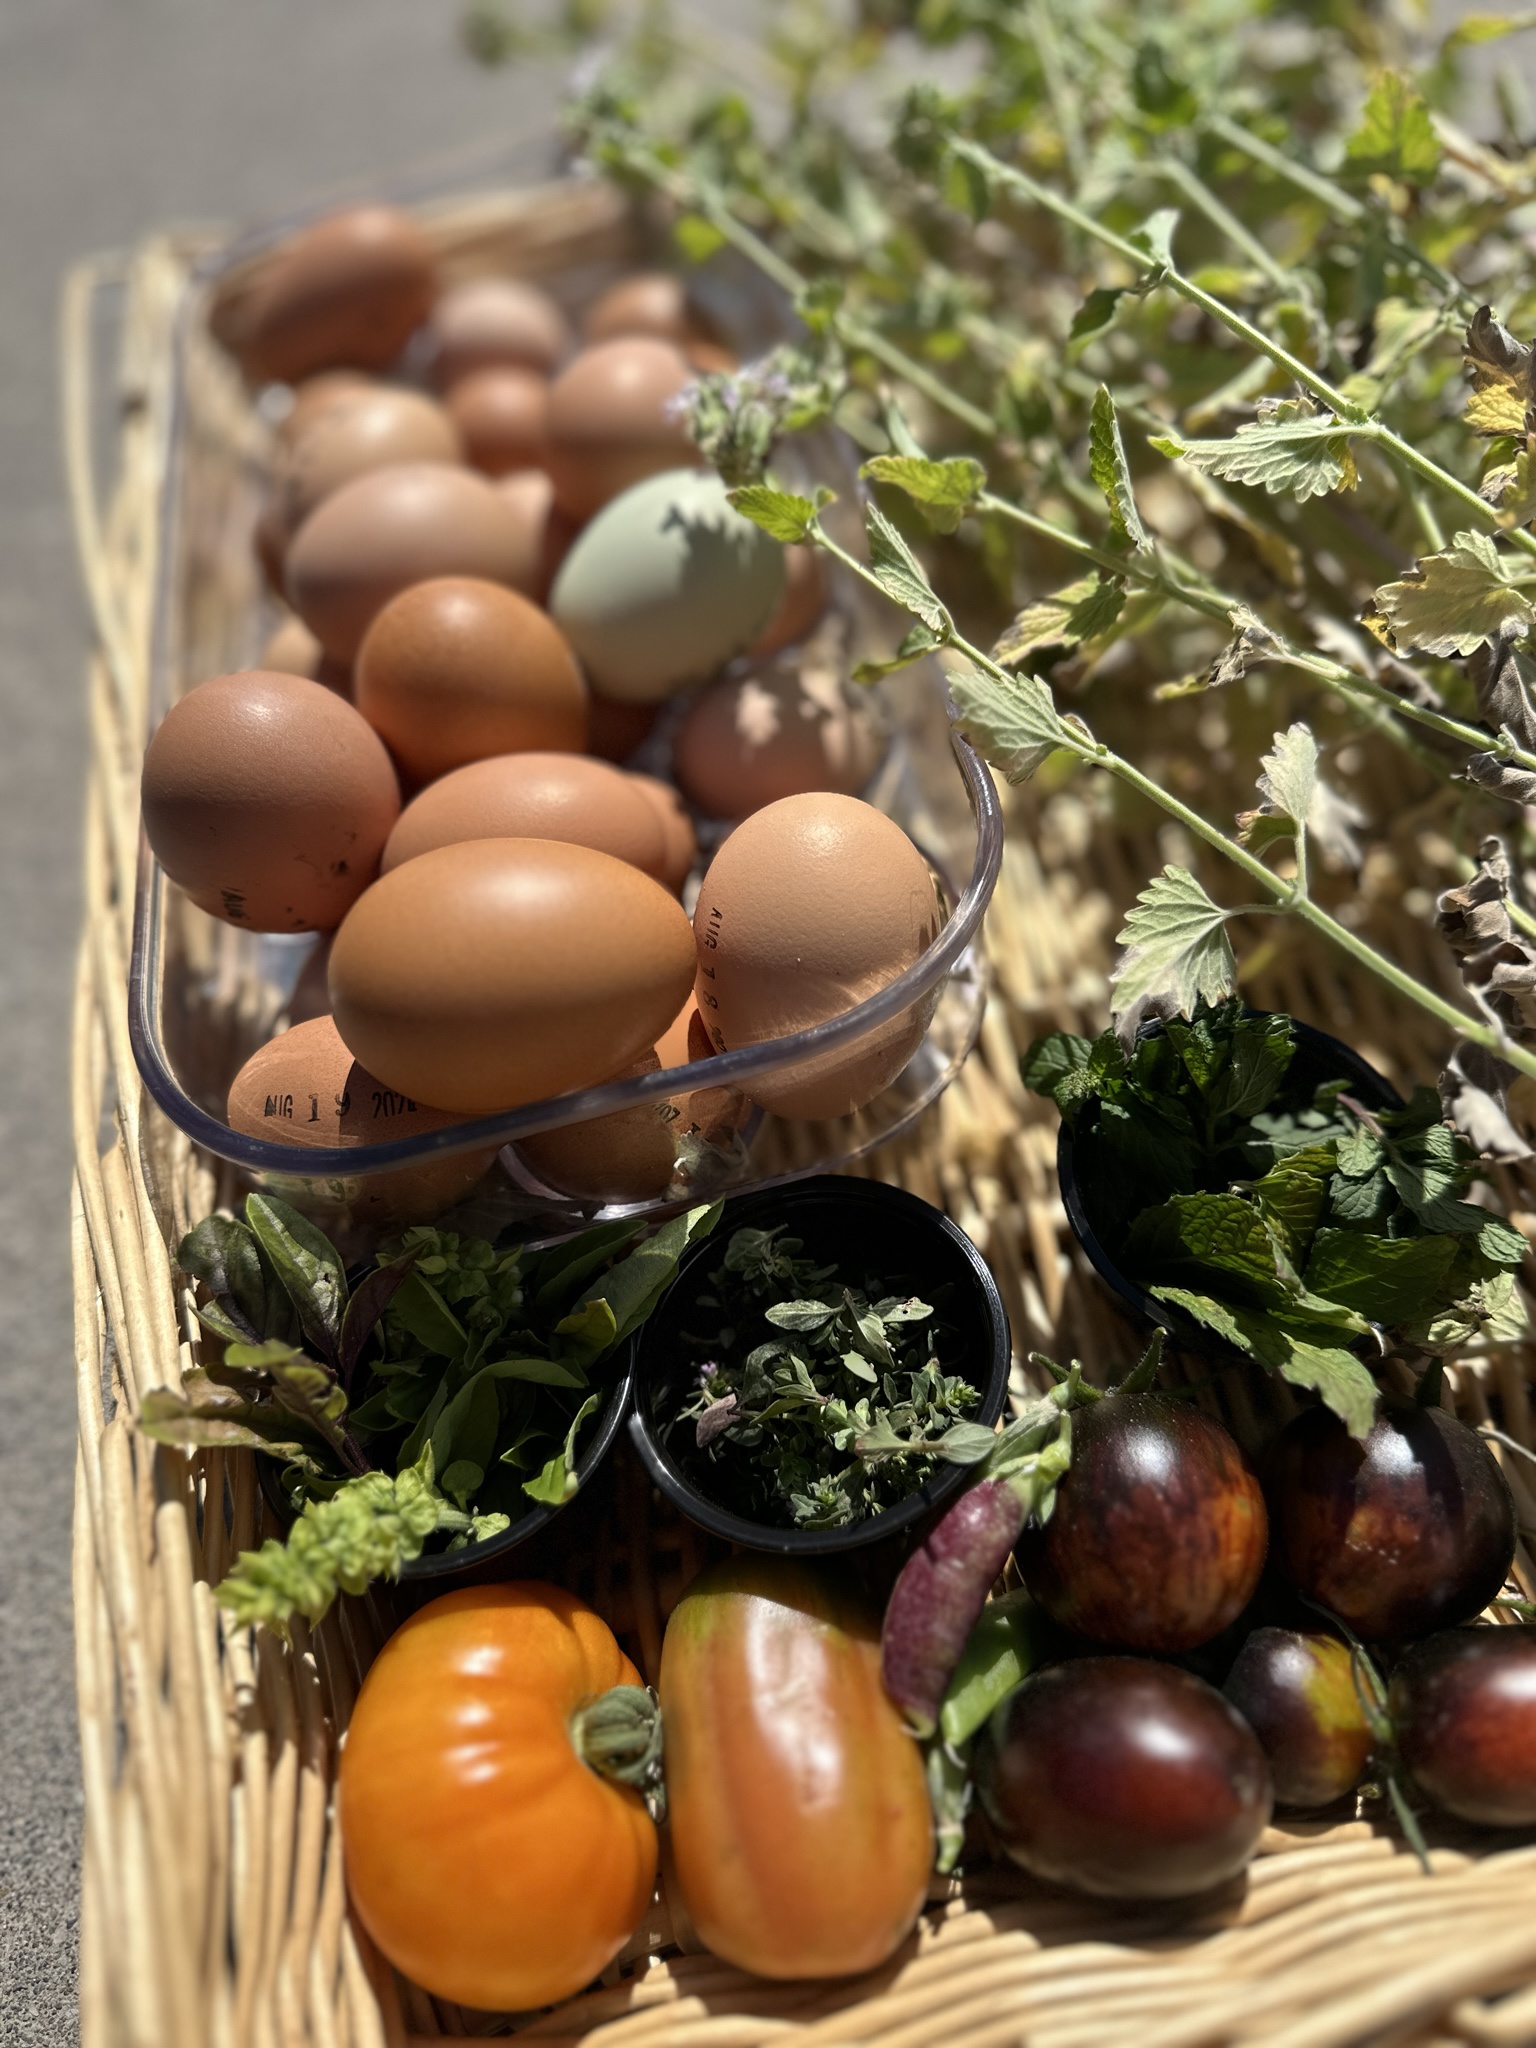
[(816, 1403), (1290, 1221)]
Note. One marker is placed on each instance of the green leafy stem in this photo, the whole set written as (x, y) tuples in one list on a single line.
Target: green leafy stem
[(691, 189)]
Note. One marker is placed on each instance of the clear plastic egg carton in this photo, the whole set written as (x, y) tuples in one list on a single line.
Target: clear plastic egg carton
[(204, 995)]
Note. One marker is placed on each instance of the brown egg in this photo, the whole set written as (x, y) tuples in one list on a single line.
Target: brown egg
[(394, 527), (803, 603), (672, 1046), (545, 535), (501, 971), (653, 302), (682, 846), (361, 431), (533, 796), (608, 425), (293, 651), (784, 728), (348, 291), (615, 730), (314, 398), (493, 320), (812, 905), (499, 414), (456, 670), (305, 1089), (268, 799), (624, 1157)]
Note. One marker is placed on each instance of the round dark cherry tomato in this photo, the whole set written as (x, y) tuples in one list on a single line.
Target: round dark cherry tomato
[(1123, 1777), (1159, 1533), (1407, 1530), (1298, 1695), (1463, 1705)]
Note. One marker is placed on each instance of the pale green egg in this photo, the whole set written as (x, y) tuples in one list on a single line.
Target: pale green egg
[(664, 586)]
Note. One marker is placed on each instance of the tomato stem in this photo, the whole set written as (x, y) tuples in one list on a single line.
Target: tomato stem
[(618, 1735)]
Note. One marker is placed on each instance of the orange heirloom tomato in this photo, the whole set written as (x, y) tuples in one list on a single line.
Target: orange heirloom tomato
[(486, 1860), (800, 1823)]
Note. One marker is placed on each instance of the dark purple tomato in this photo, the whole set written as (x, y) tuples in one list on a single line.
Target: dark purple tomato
[(1159, 1532), (1123, 1777), (1298, 1695), (1407, 1530), (1463, 1706)]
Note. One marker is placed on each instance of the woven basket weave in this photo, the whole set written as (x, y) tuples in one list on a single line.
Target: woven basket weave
[(214, 1911)]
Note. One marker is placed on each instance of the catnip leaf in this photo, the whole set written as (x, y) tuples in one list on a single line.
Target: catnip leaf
[(1112, 473), (308, 1265), (917, 641), (1155, 236), (1499, 369), (1013, 725), (944, 491), (1390, 1279), (1396, 137), (897, 571), (1303, 454), (1453, 602), (1289, 780), (1097, 310), (1080, 611), (1177, 949), (783, 515)]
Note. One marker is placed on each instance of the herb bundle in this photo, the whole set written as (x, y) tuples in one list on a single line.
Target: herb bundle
[(440, 1396), (817, 1403), (1290, 1221), (1152, 331)]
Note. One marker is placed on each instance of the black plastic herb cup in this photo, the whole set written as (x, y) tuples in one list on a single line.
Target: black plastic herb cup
[(866, 1227), (532, 1534), (1317, 1058)]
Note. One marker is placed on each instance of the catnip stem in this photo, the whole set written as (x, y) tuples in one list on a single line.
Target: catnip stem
[(1285, 896)]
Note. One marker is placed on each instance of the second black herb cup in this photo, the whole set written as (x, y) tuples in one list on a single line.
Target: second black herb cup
[(864, 1227)]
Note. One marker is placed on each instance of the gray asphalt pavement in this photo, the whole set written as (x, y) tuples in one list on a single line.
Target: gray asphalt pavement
[(116, 116)]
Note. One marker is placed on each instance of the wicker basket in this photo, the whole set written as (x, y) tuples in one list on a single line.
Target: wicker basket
[(214, 1912)]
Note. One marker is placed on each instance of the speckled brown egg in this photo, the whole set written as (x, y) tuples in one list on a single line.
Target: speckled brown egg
[(802, 605), (783, 728), (391, 528), (623, 1157), (533, 796), (607, 421), (654, 302), (457, 669), (499, 415), (305, 1089), (500, 971), (812, 905), (268, 799), (491, 320), (682, 846), (346, 292), (363, 430)]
